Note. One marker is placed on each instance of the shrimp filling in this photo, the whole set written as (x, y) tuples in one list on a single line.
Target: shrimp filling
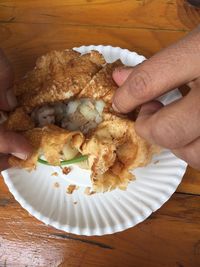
[(82, 114)]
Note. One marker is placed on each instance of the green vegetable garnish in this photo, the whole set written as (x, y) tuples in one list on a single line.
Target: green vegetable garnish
[(65, 162)]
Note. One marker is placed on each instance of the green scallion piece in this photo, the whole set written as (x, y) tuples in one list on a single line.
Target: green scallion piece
[(65, 162)]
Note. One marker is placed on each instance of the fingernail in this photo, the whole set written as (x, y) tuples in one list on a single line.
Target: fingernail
[(115, 108), (20, 155), (12, 101)]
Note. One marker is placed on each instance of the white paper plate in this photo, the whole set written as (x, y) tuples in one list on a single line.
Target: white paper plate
[(97, 214)]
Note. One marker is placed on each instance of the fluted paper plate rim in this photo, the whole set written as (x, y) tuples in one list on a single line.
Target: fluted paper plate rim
[(108, 229)]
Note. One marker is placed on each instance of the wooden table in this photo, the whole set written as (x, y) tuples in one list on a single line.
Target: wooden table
[(171, 236)]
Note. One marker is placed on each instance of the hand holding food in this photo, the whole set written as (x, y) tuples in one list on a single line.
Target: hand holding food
[(65, 112), (175, 126), (10, 142)]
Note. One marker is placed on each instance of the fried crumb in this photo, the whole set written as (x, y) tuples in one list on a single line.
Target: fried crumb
[(88, 191), (156, 162), (75, 202), (71, 188), (66, 170), (122, 187), (56, 185), (54, 174)]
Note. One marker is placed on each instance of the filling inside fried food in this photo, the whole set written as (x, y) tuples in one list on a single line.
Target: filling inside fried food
[(82, 114), (65, 113), (75, 115)]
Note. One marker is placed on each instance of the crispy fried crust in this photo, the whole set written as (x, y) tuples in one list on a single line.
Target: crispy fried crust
[(53, 62), (102, 86), (59, 79), (110, 181), (47, 141), (113, 147), (18, 120), (34, 137), (54, 139)]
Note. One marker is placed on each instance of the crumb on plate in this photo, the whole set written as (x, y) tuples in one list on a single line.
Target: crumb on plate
[(66, 170), (121, 187), (71, 188), (75, 202), (88, 191), (56, 185), (54, 174), (156, 162)]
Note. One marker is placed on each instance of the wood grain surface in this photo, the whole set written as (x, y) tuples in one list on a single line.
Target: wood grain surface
[(171, 236), (175, 15), (24, 44)]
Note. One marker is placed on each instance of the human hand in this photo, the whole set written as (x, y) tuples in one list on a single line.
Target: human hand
[(10, 142), (177, 125)]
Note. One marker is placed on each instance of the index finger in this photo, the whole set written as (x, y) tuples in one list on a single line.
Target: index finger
[(176, 65)]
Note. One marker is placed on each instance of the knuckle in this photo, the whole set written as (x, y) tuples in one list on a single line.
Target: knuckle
[(139, 85), (120, 106)]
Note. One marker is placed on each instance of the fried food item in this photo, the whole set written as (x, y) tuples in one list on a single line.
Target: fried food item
[(46, 66), (65, 110), (34, 137), (56, 78), (110, 181), (49, 141), (113, 149), (19, 120), (104, 82)]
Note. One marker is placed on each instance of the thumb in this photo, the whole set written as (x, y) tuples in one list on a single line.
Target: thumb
[(121, 74), (176, 65)]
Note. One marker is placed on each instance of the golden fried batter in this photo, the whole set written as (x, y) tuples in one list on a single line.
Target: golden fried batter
[(110, 181), (102, 86), (46, 65), (113, 147), (59, 80), (48, 141), (34, 137), (19, 120)]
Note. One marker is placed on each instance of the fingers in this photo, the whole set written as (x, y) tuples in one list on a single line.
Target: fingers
[(172, 67), (4, 162), (149, 109), (7, 98), (10, 142), (172, 126), (120, 75), (190, 153), (15, 144)]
